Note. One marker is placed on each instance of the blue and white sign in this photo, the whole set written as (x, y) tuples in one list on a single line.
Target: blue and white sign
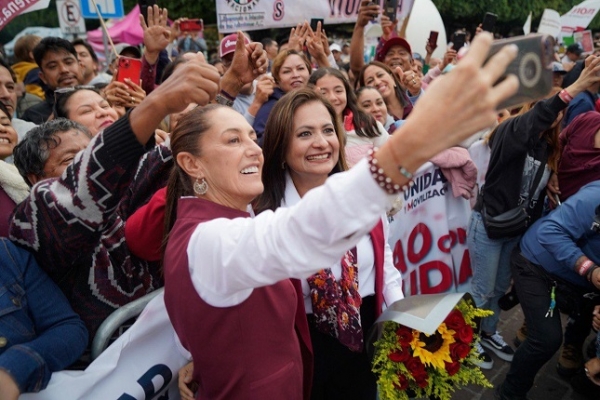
[(108, 9)]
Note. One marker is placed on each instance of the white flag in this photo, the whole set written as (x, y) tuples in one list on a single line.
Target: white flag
[(527, 26), (550, 23), (579, 17)]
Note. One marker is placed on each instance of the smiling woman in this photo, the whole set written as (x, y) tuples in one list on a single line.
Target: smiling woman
[(85, 105)]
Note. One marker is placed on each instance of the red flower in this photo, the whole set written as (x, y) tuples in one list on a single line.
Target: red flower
[(405, 336), (452, 368), (422, 380), (415, 367), (465, 334), (402, 382), (455, 320), (458, 351), (401, 355)]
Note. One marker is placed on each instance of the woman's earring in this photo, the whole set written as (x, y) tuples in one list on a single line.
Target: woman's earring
[(283, 165), (200, 188)]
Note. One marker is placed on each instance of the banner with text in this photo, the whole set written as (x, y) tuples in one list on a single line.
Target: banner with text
[(428, 236), (143, 364), (10, 9), (579, 17), (249, 15)]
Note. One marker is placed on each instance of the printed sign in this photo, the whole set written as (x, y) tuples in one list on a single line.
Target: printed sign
[(428, 236)]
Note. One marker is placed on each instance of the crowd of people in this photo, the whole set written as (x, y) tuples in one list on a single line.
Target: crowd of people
[(257, 189)]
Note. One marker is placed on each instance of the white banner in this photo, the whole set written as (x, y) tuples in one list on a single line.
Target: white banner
[(527, 25), (141, 365), (579, 17), (249, 15), (429, 236), (550, 23)]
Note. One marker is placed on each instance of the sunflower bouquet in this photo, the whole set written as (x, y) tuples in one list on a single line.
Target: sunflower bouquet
[(407, 361)]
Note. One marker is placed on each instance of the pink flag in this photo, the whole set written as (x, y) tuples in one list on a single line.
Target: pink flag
[(10, 9)]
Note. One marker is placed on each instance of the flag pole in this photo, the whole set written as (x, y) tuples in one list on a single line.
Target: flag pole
[(105, 29)]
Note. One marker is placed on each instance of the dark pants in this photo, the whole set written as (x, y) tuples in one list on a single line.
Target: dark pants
[(340, 373), (544, 334)]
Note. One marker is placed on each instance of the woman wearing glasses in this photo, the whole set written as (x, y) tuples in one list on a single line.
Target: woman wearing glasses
[(85, 105)]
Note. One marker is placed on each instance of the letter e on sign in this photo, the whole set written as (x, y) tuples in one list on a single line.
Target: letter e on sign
[(69, 16)]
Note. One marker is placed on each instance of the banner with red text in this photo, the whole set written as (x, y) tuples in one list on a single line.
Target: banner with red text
[(250, 15), (428, 236), (10, 9), (579, 17)]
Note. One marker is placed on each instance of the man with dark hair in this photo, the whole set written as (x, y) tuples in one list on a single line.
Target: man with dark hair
[(49, 148), (89, 61), (8, 97), (59, 67)]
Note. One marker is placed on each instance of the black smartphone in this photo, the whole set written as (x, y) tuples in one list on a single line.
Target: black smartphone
[(314, 22), (489, 22), (533, 67), (144, 4), (459, 40), (390, 8), (432, 41)]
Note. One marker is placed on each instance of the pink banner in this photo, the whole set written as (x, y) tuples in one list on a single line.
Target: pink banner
[(10, 9)]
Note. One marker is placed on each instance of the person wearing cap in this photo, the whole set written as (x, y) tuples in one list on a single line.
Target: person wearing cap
[(59, 68), (558, 73), (336, 51), (572, 54)]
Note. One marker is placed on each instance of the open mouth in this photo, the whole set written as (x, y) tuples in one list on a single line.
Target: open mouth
[(319, 157), (4, 140), (249, 170)]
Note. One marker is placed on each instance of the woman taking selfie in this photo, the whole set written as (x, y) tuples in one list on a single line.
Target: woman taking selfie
[(234, 270)]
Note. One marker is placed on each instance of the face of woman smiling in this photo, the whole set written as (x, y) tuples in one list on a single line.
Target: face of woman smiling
[(379, 78), (371, 102), (314, 148), (231, 160), (333, 90), (293, 73), (90, 110)]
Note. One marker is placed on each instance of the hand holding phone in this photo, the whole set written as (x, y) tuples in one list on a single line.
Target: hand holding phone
[(130, 68), (432, 41)]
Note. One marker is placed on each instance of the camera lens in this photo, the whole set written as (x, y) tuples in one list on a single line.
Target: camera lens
[(530, 70)]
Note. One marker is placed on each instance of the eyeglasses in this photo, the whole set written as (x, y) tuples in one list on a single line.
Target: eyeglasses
[(69, 89), (65, 90)]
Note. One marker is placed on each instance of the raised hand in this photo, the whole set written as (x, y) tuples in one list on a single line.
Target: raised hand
[(366, 13), (156, 33)]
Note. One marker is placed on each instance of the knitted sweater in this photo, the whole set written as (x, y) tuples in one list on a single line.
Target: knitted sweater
[(74, 224)]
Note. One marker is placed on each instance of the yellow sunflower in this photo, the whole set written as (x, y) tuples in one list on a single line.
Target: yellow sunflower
[(434, 349)]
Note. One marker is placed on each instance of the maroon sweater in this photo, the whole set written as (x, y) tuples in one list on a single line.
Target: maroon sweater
[(247, 351), (580, 160)]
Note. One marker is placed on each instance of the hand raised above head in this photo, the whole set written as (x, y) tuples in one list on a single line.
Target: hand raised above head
[(249, 61), (366, 12), (194, 81), (156, 33)]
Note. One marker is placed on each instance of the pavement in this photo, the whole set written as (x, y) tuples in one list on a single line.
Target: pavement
[(548, 384)]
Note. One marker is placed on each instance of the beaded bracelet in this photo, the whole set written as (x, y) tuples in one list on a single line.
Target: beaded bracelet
[(384, 181), (584, 267)]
